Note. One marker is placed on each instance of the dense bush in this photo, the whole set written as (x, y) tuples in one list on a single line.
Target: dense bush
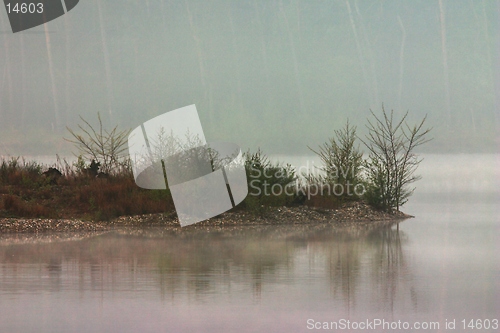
[(269, 184), (342, 165), (383, 178)]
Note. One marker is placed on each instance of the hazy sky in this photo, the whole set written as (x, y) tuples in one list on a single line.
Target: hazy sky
[(275, 74)]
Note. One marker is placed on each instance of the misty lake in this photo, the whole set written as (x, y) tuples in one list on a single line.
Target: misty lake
[(442, 266)]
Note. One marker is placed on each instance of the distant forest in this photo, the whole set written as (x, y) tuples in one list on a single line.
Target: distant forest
[(275, 74)]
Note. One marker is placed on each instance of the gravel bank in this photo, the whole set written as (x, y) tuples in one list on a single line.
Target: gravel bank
[(8, 225), (355, 213)]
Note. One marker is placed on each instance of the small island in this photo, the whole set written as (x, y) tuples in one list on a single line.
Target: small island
[(98, 192), (79, 198)]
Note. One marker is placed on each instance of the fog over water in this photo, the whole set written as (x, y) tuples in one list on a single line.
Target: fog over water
[(444, 174), (440, 266), (280, 75)]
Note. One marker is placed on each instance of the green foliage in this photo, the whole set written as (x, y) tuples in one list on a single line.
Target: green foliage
[(342, 160), (80, 165), (375, 194), (268, 183), (159, 195)]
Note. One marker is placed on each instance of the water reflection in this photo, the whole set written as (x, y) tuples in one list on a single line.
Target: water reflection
[(365, 267), (357, 265)]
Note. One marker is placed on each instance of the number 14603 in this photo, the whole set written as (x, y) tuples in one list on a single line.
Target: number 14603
[(24, 8)]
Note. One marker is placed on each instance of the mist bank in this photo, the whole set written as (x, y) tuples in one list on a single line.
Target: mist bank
[(280, 75), (36, 142)]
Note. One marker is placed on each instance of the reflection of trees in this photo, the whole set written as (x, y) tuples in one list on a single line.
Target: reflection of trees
[(215, 263), (360, 264), (197, 263), (391, 274), (344, 267), (368, 265), (365, 265)]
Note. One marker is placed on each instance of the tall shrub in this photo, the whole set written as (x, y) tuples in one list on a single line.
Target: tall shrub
[(392, 161), (342, 160)]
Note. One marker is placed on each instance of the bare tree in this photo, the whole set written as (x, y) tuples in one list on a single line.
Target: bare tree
[(108, 148), (392, 161)]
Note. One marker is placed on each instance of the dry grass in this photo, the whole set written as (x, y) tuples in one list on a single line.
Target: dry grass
[(17, 206), (26, 192)]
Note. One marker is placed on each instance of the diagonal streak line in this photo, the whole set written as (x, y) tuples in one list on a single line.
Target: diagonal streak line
[(64, 6), (228, 187)]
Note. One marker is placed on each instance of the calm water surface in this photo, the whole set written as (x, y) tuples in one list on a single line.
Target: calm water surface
[(441, 266)]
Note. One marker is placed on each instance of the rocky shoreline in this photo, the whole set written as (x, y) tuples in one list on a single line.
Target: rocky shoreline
[(17, 225), (350, 214)]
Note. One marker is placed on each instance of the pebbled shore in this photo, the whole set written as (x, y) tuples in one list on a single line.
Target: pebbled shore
[(351, 214), (14, 225)]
